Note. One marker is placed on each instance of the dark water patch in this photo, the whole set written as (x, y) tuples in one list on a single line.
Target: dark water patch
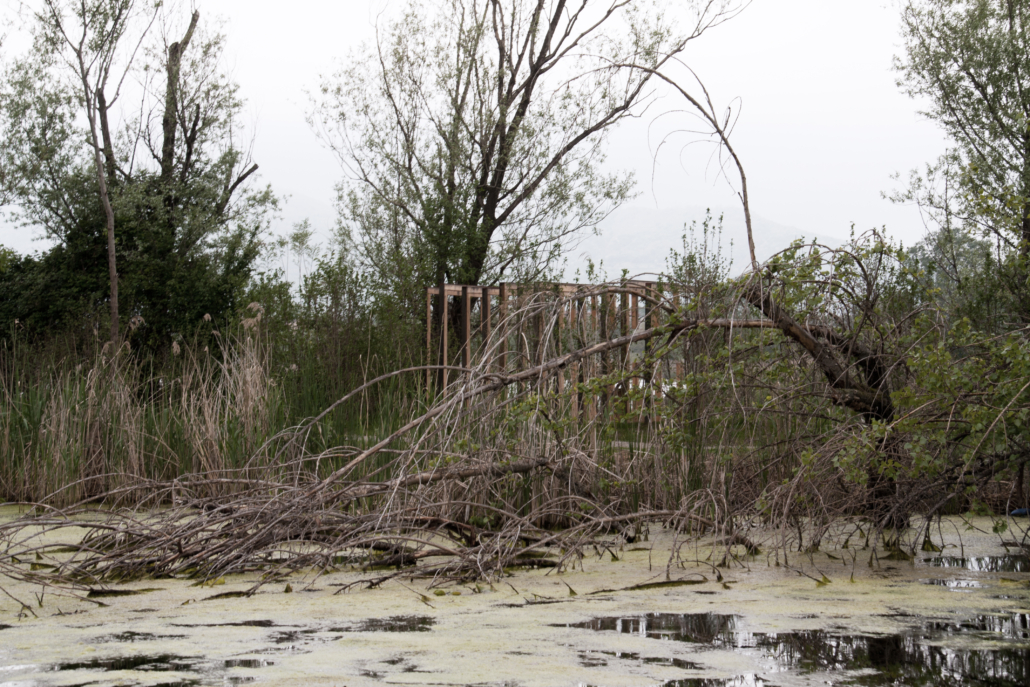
[(673, 662), (292, 636), (5, 627), (228, 595), (110, 593), (131, 636), (1007, 563), (738, 681), (241, 623), (248, 663), (396, 623), (920, 656), (956, 585), (152, 663), (588, 660), (597, 659), (699, 628), (988, 626)]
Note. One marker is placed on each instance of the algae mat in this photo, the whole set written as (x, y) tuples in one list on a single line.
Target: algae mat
[(958, 617)]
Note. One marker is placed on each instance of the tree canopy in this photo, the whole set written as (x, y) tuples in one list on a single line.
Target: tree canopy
[(971, 60), (185, 215)]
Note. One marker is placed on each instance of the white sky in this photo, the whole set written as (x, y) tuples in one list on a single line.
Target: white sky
[(822, 129)]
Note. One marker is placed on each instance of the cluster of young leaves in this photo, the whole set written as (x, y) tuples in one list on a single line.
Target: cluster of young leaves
[(967, 402)]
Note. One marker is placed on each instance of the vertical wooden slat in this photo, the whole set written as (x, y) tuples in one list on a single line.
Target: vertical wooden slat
[(484, 318), (502, 314), (429, 338), (649, 322), (466, 328), (632, 382), (559, 349), (444, 336), (624, 317), (574, 322)]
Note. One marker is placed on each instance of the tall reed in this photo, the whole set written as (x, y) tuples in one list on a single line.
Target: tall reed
[(73, 430)]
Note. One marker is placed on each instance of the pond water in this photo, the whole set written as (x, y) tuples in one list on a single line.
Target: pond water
[(1006, 563), (921, 655), (938, 620)]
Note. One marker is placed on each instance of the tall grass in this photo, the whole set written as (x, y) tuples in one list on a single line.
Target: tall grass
[(73, 429), (76, 425)]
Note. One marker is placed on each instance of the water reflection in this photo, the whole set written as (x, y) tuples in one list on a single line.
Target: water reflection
[(956, 585), (738, 681), (922, 656), (1007, 563), (397, 623), (157, 663)]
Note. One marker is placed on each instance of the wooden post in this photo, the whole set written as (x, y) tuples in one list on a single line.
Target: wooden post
[(649, 322), (429, 337), (484, 317), (574, 322), (624, 319), (558, 344), (444, 319), (634, 307), (466, 328), (653, 315), (502, 314)]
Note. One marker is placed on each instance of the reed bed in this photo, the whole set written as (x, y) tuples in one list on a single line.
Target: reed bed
[(561, 439)]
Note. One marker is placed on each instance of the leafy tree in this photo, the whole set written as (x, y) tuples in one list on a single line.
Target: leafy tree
[(971, 60), (178, 185), (472, 132)]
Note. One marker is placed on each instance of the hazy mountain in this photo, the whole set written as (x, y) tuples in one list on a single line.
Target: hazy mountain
[(639, 238)]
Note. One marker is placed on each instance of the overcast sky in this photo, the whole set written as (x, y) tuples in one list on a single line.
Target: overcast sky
[(822, 129)]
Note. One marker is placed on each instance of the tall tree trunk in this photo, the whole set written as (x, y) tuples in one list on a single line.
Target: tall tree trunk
[(105, 201), (89, 96), (105, 135), (169, 118)]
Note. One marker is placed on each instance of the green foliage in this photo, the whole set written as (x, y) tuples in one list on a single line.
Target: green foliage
[(473, 153), (187, 225), (970, 60)]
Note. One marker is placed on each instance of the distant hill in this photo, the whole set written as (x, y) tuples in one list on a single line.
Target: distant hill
[(639, 239)]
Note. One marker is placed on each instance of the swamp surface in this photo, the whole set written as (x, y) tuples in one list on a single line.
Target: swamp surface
[(958, 617)]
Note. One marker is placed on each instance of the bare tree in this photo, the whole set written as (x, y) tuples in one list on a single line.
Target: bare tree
[(97, 41), (472, 131), (169, 168)]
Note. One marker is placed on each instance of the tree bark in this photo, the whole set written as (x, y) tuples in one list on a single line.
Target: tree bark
[(170, 118)]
